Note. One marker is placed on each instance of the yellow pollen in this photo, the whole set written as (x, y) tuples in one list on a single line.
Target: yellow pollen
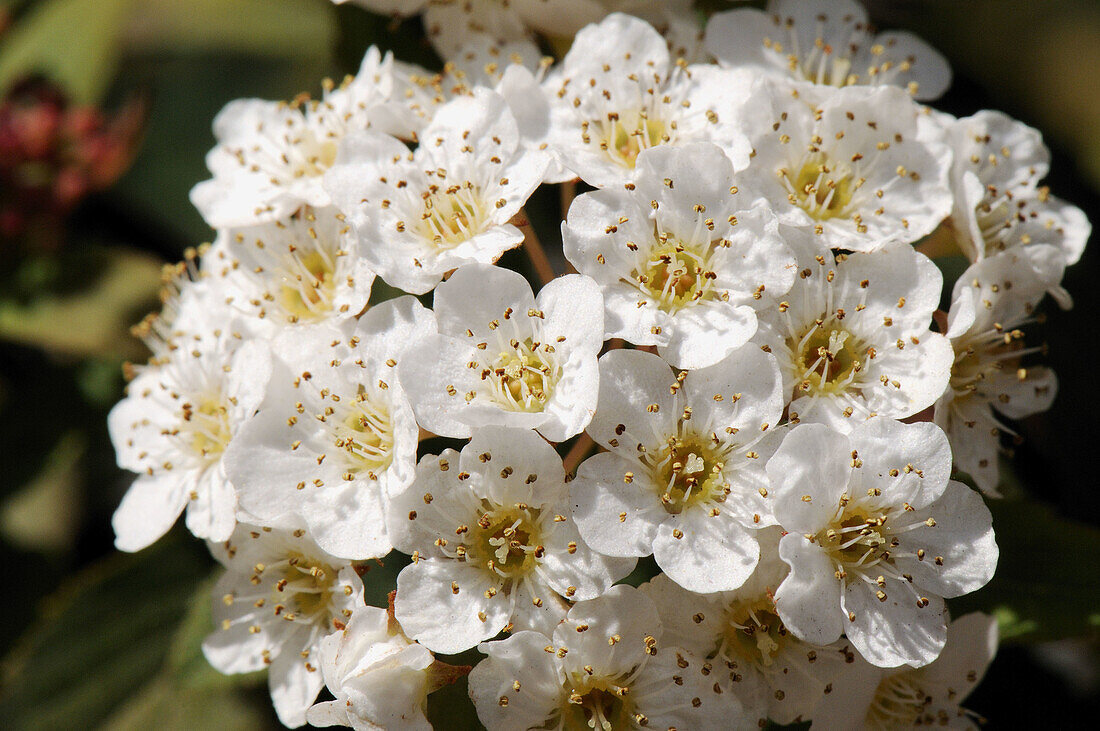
[(452, 216), (820, 188)]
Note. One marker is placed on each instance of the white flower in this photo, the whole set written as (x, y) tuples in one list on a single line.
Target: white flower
[(618, 92), (493, 543), (192, 301), (179, 416), (848, 165), (999, 203), (852, 337), (683, 258), (512, 68), (876, 537), (280, 595), (873, 699), (684, 477), (481, 61), (605, 667), (741, 634), (826, 42), (303, 269), (421, 214), (505, 358), (271, 155), (335, 433), (992, 300), (379, 678)]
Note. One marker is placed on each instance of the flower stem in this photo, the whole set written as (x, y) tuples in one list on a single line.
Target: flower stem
[(534, 249), (578, 452)]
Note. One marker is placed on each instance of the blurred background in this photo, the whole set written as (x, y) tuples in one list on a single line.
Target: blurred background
[(105, 114)]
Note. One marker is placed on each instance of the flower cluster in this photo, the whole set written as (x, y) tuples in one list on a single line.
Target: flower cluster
[(745, 375)]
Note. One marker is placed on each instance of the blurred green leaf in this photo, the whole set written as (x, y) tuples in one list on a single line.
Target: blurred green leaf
[(101, 638), (1046, 586), (54, 493), (288, 28), (73, 42), (188, 693), (94, 319), (165, 706)]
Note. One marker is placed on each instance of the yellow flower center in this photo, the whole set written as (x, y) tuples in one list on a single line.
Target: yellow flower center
[(452, 215), (366, 435), (857, 541), (506, 541), (754, 633), (898, 703), (208, 426), (522, 378), (821, 188), (690, 473), (624, 135), (677, 274), (828, 359), (597, 704), (309, 285), (303, 591)]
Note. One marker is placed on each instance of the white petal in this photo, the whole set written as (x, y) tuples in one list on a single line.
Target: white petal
[(293, 687), (519, 658), (894, 631), (442, 619), (148, 509), (962, 537), (808, 600), (813, 462), (616, 518), (714, 553)]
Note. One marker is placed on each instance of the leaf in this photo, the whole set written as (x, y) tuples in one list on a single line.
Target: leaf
[(73, 42), (55, 493), (120, 286), (165, 706), (1046, 585), (101, 638), (287, 28), (189, 693)]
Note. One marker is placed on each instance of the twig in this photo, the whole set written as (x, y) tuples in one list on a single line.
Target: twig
[(535, 252), (568, 192), (577, 452), (941, 242)]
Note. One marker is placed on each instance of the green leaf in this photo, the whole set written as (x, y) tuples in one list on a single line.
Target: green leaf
[(165, 706), (54, 492), (76, 43), (1046, 586), (188, 693), (101, 638), (287, 28), (86, 318)]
